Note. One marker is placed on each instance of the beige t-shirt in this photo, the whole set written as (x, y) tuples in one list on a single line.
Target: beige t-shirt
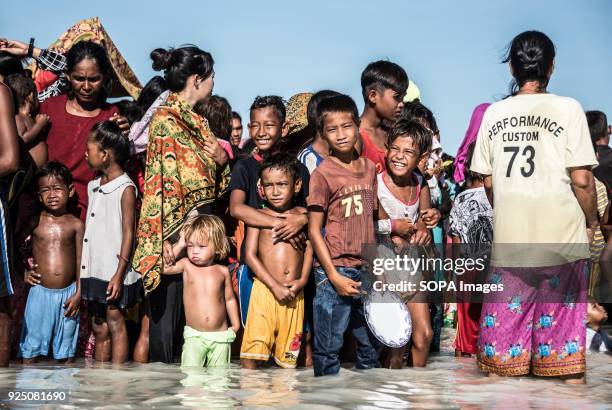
[(528, 143)]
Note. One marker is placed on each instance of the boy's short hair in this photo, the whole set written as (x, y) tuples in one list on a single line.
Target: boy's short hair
[(598, 124), (272, 101), (416, 111), (381, 75), (209, 228), (236, 116), (311, 109), (283, 162), (336, 103), (218, 112), (22, 87), (420, 135), (55, 169)]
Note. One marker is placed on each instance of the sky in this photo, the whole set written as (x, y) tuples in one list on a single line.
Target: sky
[(451, 49)]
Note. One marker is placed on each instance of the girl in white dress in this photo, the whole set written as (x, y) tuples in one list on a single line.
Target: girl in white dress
[(108, 283), (405, 198)]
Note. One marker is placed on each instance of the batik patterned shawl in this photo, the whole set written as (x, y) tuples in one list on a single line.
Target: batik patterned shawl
[(179, 177)]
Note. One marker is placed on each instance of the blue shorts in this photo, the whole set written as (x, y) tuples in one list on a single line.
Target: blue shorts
[(44, 321)]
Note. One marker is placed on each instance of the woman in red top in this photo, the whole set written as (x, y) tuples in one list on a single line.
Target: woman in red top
[(74, 114)]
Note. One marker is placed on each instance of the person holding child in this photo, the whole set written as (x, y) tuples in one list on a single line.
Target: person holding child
[(281, 272)]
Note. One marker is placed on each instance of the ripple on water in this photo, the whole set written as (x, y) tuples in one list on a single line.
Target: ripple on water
[(447, 382)]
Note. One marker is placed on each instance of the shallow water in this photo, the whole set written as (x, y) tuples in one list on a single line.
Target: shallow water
[(447, 382)]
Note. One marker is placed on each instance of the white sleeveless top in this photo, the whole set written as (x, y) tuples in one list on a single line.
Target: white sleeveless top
[(394, 207), (103, 230)]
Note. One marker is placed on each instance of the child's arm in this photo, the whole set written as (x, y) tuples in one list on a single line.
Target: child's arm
[(128, 206), (343, 285), (177, 268), (281, 293), (231, 304), (31, 136), (72, 304), (421, 235), (299, 284), (288, 225)]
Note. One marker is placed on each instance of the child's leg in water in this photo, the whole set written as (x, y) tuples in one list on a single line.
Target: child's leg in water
[(422, 333), (102, 352), (118, 334), (141, 350)]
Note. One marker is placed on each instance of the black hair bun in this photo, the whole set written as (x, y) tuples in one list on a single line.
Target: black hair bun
[(530, 59), (161, 59)]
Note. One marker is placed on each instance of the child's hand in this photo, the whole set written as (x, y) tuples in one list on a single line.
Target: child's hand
[(404, 227), (122, 122), (431, 217), (344, 286), (72, 305), (283, 294), (168, 254), (215, 151), (115, 286), (295, 285), (31, 277), (290, 226), (42, 119), (421, 237)]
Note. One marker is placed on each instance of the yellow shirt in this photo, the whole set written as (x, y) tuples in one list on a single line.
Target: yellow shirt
[(527, 143)]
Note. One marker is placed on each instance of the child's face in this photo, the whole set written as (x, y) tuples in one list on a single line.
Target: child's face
[(279, 188), (94, 155), (596, 314), (388, 103), (265, 128), (341, 131), (236, 134), (403, 156), (200, 251), (53, 193)]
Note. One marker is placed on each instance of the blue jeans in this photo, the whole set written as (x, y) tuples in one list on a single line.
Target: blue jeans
[(333, 315)]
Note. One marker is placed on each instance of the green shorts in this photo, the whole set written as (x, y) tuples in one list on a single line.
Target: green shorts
[(210, 349)]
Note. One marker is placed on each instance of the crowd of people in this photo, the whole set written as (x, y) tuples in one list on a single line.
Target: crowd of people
[(151, 230)]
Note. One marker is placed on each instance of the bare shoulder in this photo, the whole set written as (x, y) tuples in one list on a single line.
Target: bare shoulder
[(221, 270), (75, 222)]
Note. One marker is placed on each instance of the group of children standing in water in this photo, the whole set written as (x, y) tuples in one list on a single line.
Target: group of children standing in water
[(271, 254)]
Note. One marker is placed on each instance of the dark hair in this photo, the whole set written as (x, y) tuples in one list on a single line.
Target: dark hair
[(92, 51), (598, 125), (236, 116), (108, 135), (381, 75), (218, 112), (416, 111), (180, 63), (283, 162), (22, 87), (311, 109), (468, 163), (531, 55), (420, 135), (272, 101), (55, 169), (336, 103), (9, 64), (149, 93), (130, 110)]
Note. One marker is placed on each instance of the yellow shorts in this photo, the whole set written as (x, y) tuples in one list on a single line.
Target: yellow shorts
[(271, 324)]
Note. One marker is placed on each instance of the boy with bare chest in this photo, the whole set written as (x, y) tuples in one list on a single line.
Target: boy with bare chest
[(51, 314), (208, 296), (281, 271)]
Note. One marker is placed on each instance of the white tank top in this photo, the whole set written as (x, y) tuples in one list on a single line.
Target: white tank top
[(395, 207)]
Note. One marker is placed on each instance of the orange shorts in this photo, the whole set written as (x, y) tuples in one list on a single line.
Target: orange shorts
[(269, 324)]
